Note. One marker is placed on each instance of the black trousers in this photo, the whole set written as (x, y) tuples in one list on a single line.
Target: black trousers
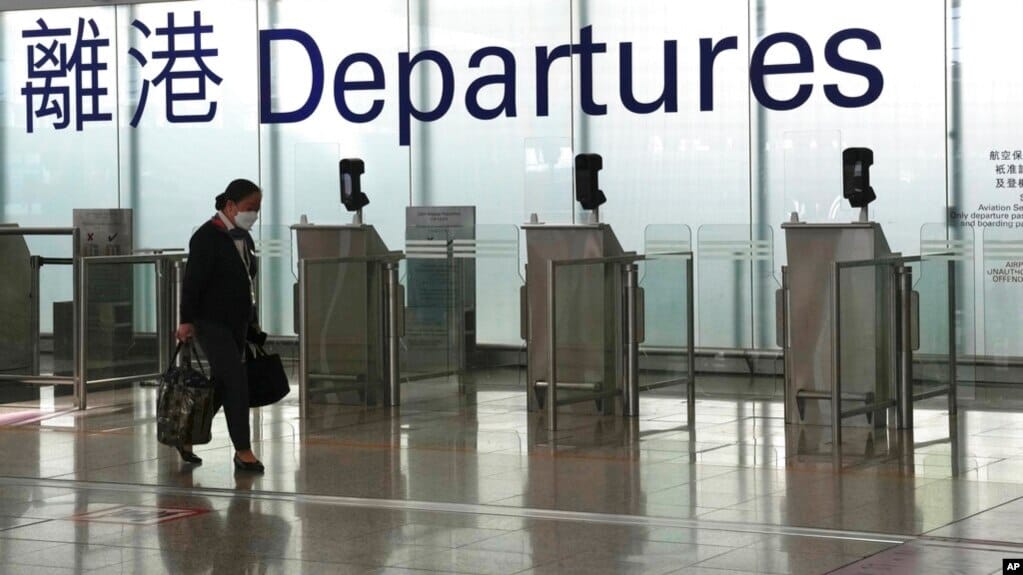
[(224, 347)]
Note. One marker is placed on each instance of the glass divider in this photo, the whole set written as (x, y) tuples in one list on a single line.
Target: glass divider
[(347, 343)]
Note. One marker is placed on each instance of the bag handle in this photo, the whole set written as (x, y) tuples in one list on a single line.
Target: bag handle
[(257, 350), (192, 350)]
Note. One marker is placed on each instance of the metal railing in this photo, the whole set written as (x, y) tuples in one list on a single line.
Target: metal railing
[(169, 271), (904, 318), (35, 378), (391, 313), (629, 392)]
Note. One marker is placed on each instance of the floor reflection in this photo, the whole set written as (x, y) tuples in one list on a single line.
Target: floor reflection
[(473, 441)]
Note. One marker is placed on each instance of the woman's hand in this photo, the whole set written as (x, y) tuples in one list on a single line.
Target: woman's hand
[(255, 334), (186, 332)]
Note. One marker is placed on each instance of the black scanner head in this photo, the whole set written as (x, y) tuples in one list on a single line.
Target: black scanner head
[(351, 170), (856, 188), (587, 189)]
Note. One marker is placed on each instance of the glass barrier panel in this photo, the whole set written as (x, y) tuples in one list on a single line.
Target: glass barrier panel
[(59, 282), (813, 178), (277, 279), (435, 308), (344, 360), (866, 326), (548, 194), (667, 238), (932, 283), (959, 242), (56, 321), (663, 359), (766, 281), (498, 283), (724, 276), (1003, 315), (120, 328), (588, 327), (18, 341), (146, 283), (317, 192)]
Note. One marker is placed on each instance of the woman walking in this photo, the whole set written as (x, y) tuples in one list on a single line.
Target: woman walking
[(218, 308)]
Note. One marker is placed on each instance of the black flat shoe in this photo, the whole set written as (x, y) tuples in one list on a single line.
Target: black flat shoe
[(255, 466), (189, 457)]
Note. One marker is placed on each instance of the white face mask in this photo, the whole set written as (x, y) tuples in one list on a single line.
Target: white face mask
[(245, 220)]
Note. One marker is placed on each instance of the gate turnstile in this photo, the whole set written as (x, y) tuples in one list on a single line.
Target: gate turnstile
[(17, 353), (848, 318), (595, 355), (813, 250), (349, 305), (594, 368), (809, 328), (367, 283), (96, 278), (109, 325)]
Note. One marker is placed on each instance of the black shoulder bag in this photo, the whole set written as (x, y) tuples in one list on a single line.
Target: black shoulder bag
[(268, 382)]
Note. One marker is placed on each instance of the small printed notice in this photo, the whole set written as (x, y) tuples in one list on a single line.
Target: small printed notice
[(1009, 273), (1004, 207)]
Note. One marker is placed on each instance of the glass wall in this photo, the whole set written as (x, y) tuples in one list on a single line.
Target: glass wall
[(719, 118)]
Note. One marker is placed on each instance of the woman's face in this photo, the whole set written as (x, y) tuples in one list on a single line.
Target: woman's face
[(250, 203)]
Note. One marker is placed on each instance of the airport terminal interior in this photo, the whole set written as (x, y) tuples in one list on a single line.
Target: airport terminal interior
[(556, 286)]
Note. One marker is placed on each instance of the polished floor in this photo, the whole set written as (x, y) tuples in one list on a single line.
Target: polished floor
[(468, 481)]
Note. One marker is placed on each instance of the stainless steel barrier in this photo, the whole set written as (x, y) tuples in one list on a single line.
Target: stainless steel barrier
[(896, 309), (168, 270), (34, 378), (623, 323), (352, 310)]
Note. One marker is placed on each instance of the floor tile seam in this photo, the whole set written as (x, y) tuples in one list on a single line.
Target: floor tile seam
[(715, 556), (541, 454), (475, 509), (13, 527), (978, 513), (119, 546), (958, 542)]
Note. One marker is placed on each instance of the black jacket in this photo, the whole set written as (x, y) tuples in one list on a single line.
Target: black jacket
[(215, 287)]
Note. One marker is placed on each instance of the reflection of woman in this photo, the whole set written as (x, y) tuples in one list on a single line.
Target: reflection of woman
[(179, 538), (217, 307), (266, 536)]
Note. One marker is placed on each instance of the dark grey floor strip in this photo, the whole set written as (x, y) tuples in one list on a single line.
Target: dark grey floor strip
[(469, 509)]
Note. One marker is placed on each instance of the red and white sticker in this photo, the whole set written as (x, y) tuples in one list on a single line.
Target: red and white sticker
[(139, 515)]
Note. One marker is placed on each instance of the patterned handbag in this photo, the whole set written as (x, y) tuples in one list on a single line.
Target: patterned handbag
[(185, 403)]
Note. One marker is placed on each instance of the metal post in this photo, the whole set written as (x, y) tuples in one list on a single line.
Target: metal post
[(893, 286), (552, 345), (36, 263), (163, 312), (906, 346), (80, 299), (175, 308), (836, 361), (303, 340), (691, 359), (953, 361), (784, 343), (393, 361), (630, 392)]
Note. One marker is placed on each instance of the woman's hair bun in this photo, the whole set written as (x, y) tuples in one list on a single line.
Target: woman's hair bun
[(236, 191)]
